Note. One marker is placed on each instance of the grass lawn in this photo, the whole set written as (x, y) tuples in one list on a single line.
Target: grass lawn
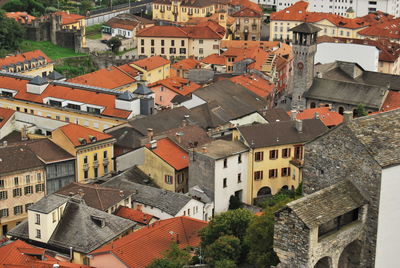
[(95, 36), (94, 31), (52, 51)]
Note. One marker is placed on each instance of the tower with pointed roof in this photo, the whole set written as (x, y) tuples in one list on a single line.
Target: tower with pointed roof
[(304, 49)]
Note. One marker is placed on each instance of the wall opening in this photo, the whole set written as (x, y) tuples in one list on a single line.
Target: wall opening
[(324, 262), (351, 255)]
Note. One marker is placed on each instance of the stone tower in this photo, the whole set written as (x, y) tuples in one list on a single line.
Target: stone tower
[(304, 49)]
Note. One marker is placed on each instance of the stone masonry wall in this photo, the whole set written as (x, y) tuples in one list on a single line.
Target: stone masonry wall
[(339, 155)]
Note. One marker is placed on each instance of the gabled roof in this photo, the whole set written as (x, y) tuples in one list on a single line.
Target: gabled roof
[(151, 63), (167, 201), (194, 32), (24, 16), (325, 114), (127, 21), (15, 158), (135, 215), (254, 83), (178, 85), (139, 248), (5, 115), (392, 101), (110, 78), (327, 204), (171, 153), (247, 12), (48, 152), (18, 254), (77, 133), (69, 18), (281, 133), (27, 56), (389, 29), (49, 203), (95, 196), (186, 64), (214, 59)]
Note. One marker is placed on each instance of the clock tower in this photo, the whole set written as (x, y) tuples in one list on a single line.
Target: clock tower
[(304, 49)]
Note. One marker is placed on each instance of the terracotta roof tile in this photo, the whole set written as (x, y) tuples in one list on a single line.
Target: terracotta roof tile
[(134, 215), (5, 115), (64, 92), (111, 78), (171, 153), (186, 64), (247, 12), (392, 101), (76, 132), (35, 54), (69, 18), (298, 12), (177, 84), (214, 59), (25, 17), (257, 85), (151, 63), (196, 32), (328, 117), (389, 29), (140, 248)]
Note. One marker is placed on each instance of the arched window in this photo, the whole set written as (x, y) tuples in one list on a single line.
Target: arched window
[(313, 105)]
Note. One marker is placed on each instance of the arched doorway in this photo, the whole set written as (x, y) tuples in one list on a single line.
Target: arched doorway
[(324, 262), (264, 191), (355, 113), (313, 105), (341, 110), (351, 255), (285, 188)]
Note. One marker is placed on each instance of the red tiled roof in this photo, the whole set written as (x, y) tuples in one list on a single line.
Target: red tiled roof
[(111, 78), (328, 117), (392, 101), (177, 84), (22, 57), (129, 69), (247, 12), (140, 248), (63, 92), (5, 115), (214, 59), (298, 12), (186, 64), (75, 132), (258, 54), (134, 215), (25, 17), (257, 85), (18, 254), (388, 51), (151, 63), (196, 32), (171, 153), (69, 18), (389, 29)]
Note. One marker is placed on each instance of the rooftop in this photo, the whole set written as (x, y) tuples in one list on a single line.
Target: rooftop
[(48, 152), (24, 58), (218, 149), (254, 83), (247, 12), (23, 16), (5, 115), (95, 196), (140, 248), (328, 117), (177, 84), (327, 204), (68, 18), (80, 135), (127, 21), (194, 32), (49, 203), (186, 64), (16, 158), (151, 63), (135, 215), (281, 133), (171, 153)]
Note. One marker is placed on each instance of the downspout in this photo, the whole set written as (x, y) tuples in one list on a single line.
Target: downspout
[(71, 254)]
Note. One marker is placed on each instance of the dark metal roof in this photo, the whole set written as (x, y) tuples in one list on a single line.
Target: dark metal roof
[(143, 90), (126, 96), (305, 28), (38, 80)]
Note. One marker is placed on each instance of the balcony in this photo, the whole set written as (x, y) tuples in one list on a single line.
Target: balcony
[(96, 163), (85, 166), (105, 161)]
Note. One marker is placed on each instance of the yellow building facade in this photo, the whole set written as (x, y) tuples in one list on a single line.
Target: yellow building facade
[(93, 151), (150, 74), (182, 11)]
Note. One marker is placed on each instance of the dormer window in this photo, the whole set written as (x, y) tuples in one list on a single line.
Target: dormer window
[(101, 222)]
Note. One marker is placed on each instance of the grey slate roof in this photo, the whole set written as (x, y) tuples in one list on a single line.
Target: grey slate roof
[(127, 137), (380, 134), (234, 101), (221, 148), (78, 230), (14, 158), (280, 133), (127, 96), (167, 201), (347, 92), (305, 28), (38, 80), (20, 231), (54, 75), (272, 115), (328, 203), (49, 203)]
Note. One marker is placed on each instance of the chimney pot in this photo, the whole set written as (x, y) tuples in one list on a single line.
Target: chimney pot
[(150, 134), (316, 115), (153, 144), (179, 136), (299, 125), (293, 114), (347, 116)]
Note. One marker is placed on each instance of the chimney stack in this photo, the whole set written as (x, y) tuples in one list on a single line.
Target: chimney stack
[(179, 137), (293, 114), (81, 193), (121, 193), (347, 116), (24, 135), (185, 121), (150, 134), (316, 115), (153, 144), (299, 125), (204, 149)]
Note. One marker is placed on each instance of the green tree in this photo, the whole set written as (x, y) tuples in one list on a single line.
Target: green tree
[(361, 111), (226, 247), (31, 6), (174, 257), (225, 264), (232, 222), (11, 34), (114, 43), (86, 5), (234, 202)]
